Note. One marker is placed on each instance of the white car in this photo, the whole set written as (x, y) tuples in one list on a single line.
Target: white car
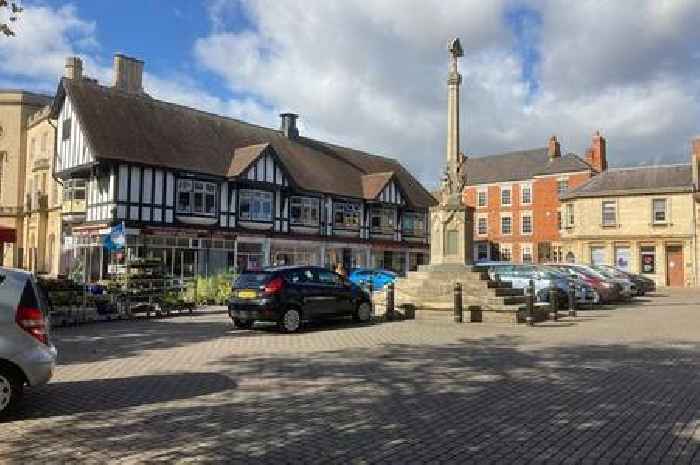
[(27, 356)]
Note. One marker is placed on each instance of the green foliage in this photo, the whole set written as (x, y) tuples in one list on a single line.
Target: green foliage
[(214, 290)]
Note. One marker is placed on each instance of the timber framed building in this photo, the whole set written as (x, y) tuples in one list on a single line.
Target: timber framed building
[(212, 194)]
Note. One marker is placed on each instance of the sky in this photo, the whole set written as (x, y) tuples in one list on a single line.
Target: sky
[(372, 74)]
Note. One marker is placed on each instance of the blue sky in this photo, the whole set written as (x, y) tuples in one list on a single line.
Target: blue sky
[(371, 75)]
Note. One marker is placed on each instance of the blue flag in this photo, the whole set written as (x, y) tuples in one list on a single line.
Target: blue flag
[(116, 239)]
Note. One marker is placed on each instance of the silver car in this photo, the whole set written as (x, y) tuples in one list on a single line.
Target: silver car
[(27, 356)]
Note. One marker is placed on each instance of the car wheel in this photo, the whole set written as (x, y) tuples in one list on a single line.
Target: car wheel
[(363, 313), (242, 324), (290, 321), (10, 389)]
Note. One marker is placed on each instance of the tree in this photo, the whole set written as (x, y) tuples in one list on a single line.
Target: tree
[(13, 11)]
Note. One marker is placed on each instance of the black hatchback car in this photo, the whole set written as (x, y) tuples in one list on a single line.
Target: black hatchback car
[(291, 294)]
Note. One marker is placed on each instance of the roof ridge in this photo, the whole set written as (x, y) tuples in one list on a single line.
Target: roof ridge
[(668, 165), (510, 152)]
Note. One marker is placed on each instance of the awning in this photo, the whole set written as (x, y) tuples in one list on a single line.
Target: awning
[(8, 235)]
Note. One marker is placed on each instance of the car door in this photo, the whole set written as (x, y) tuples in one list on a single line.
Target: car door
[(310, 292), (335, 296)]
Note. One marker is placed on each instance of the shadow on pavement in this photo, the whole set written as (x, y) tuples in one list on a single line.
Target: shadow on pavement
[(489, 400)]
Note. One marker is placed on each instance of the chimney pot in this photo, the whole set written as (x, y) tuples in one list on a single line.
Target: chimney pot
[(288, 125), (74, 68), (128, 74)]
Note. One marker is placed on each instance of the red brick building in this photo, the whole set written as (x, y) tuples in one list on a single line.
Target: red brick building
[(515, 195)]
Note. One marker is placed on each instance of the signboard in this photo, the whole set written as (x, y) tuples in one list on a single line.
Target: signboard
[(116, 239), (648, 261)]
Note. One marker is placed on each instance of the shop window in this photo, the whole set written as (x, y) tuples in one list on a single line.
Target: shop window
[(304, 211), (196, 197), (382, 219), (609, 212), (505, 196), (482, 251), (648, 259), (255, 205), (346, 215), (659, 210), (413, 224), (506, 225)]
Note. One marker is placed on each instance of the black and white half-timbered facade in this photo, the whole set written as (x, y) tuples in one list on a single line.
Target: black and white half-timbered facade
[(212, 194)]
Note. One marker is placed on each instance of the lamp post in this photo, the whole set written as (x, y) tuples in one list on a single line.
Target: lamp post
[(530, 319)]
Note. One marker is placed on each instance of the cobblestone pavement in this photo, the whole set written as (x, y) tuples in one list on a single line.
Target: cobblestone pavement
[(614, 385)]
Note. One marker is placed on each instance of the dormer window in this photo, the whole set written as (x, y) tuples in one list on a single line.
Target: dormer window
[(383, 219), (255, 205)]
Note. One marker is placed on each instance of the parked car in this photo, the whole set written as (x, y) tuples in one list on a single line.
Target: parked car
[(544, 278), (642, 283), (27, 356), (292, 294), (378, 278), (607, 290), (629, 288)]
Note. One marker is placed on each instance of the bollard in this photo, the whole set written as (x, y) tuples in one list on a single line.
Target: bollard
[(572, 299), (530, 319), (390, 301), (553, 303), (458, 302)]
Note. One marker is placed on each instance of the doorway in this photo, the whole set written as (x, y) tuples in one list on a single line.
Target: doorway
[(674, 266)]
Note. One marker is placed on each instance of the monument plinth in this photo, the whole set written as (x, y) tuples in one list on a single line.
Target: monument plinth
[(451, 239)]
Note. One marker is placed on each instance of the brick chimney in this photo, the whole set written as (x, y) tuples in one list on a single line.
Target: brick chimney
[(74, 68), (553, 148), (288, 125), (128, 74), (695, 161), (595, 156)]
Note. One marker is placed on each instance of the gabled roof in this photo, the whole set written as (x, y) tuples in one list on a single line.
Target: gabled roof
[(633, 181), (137, 128), (520, 165), (373, 184)]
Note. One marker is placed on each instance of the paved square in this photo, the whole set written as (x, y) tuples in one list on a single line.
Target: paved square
[(615, 385)]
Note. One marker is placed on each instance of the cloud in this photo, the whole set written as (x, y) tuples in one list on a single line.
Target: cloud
[(372, 74)]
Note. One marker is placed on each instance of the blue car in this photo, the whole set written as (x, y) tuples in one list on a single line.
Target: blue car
[(377, 277)]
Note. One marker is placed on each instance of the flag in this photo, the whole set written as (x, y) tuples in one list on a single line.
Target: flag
[(116, 239)]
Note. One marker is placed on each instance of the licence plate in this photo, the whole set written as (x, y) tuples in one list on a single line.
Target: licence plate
[(247, 294)]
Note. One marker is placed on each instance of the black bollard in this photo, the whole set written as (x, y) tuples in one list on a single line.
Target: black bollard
[(553, 303), (390, 301), (530, 319), (458, 302), (572, 299)]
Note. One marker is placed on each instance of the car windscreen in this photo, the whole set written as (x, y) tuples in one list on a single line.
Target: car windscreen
[(252, 279)]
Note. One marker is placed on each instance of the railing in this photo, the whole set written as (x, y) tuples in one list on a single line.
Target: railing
[(41, 164)]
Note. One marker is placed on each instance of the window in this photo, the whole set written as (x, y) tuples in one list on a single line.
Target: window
[(526, 194), (481, 199), (328, 278), (304, 211), (32, 148), (65, 135), (648, 256), (570, 215), (526, 224), (562, 186), (255, 205), (506, 225), (196, 197), (609, 213), (73, 189), (505, 196), (482, 251), (346, 215), (482, 226), (526, 253), (413, 223), (505, 252), (559, 220), (382, 219), (659, 210), (44, 137)]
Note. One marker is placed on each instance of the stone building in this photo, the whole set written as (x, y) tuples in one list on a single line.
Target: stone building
[(42, 207), (16, 108), (515, 196), (208, 194), (643, 219)]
